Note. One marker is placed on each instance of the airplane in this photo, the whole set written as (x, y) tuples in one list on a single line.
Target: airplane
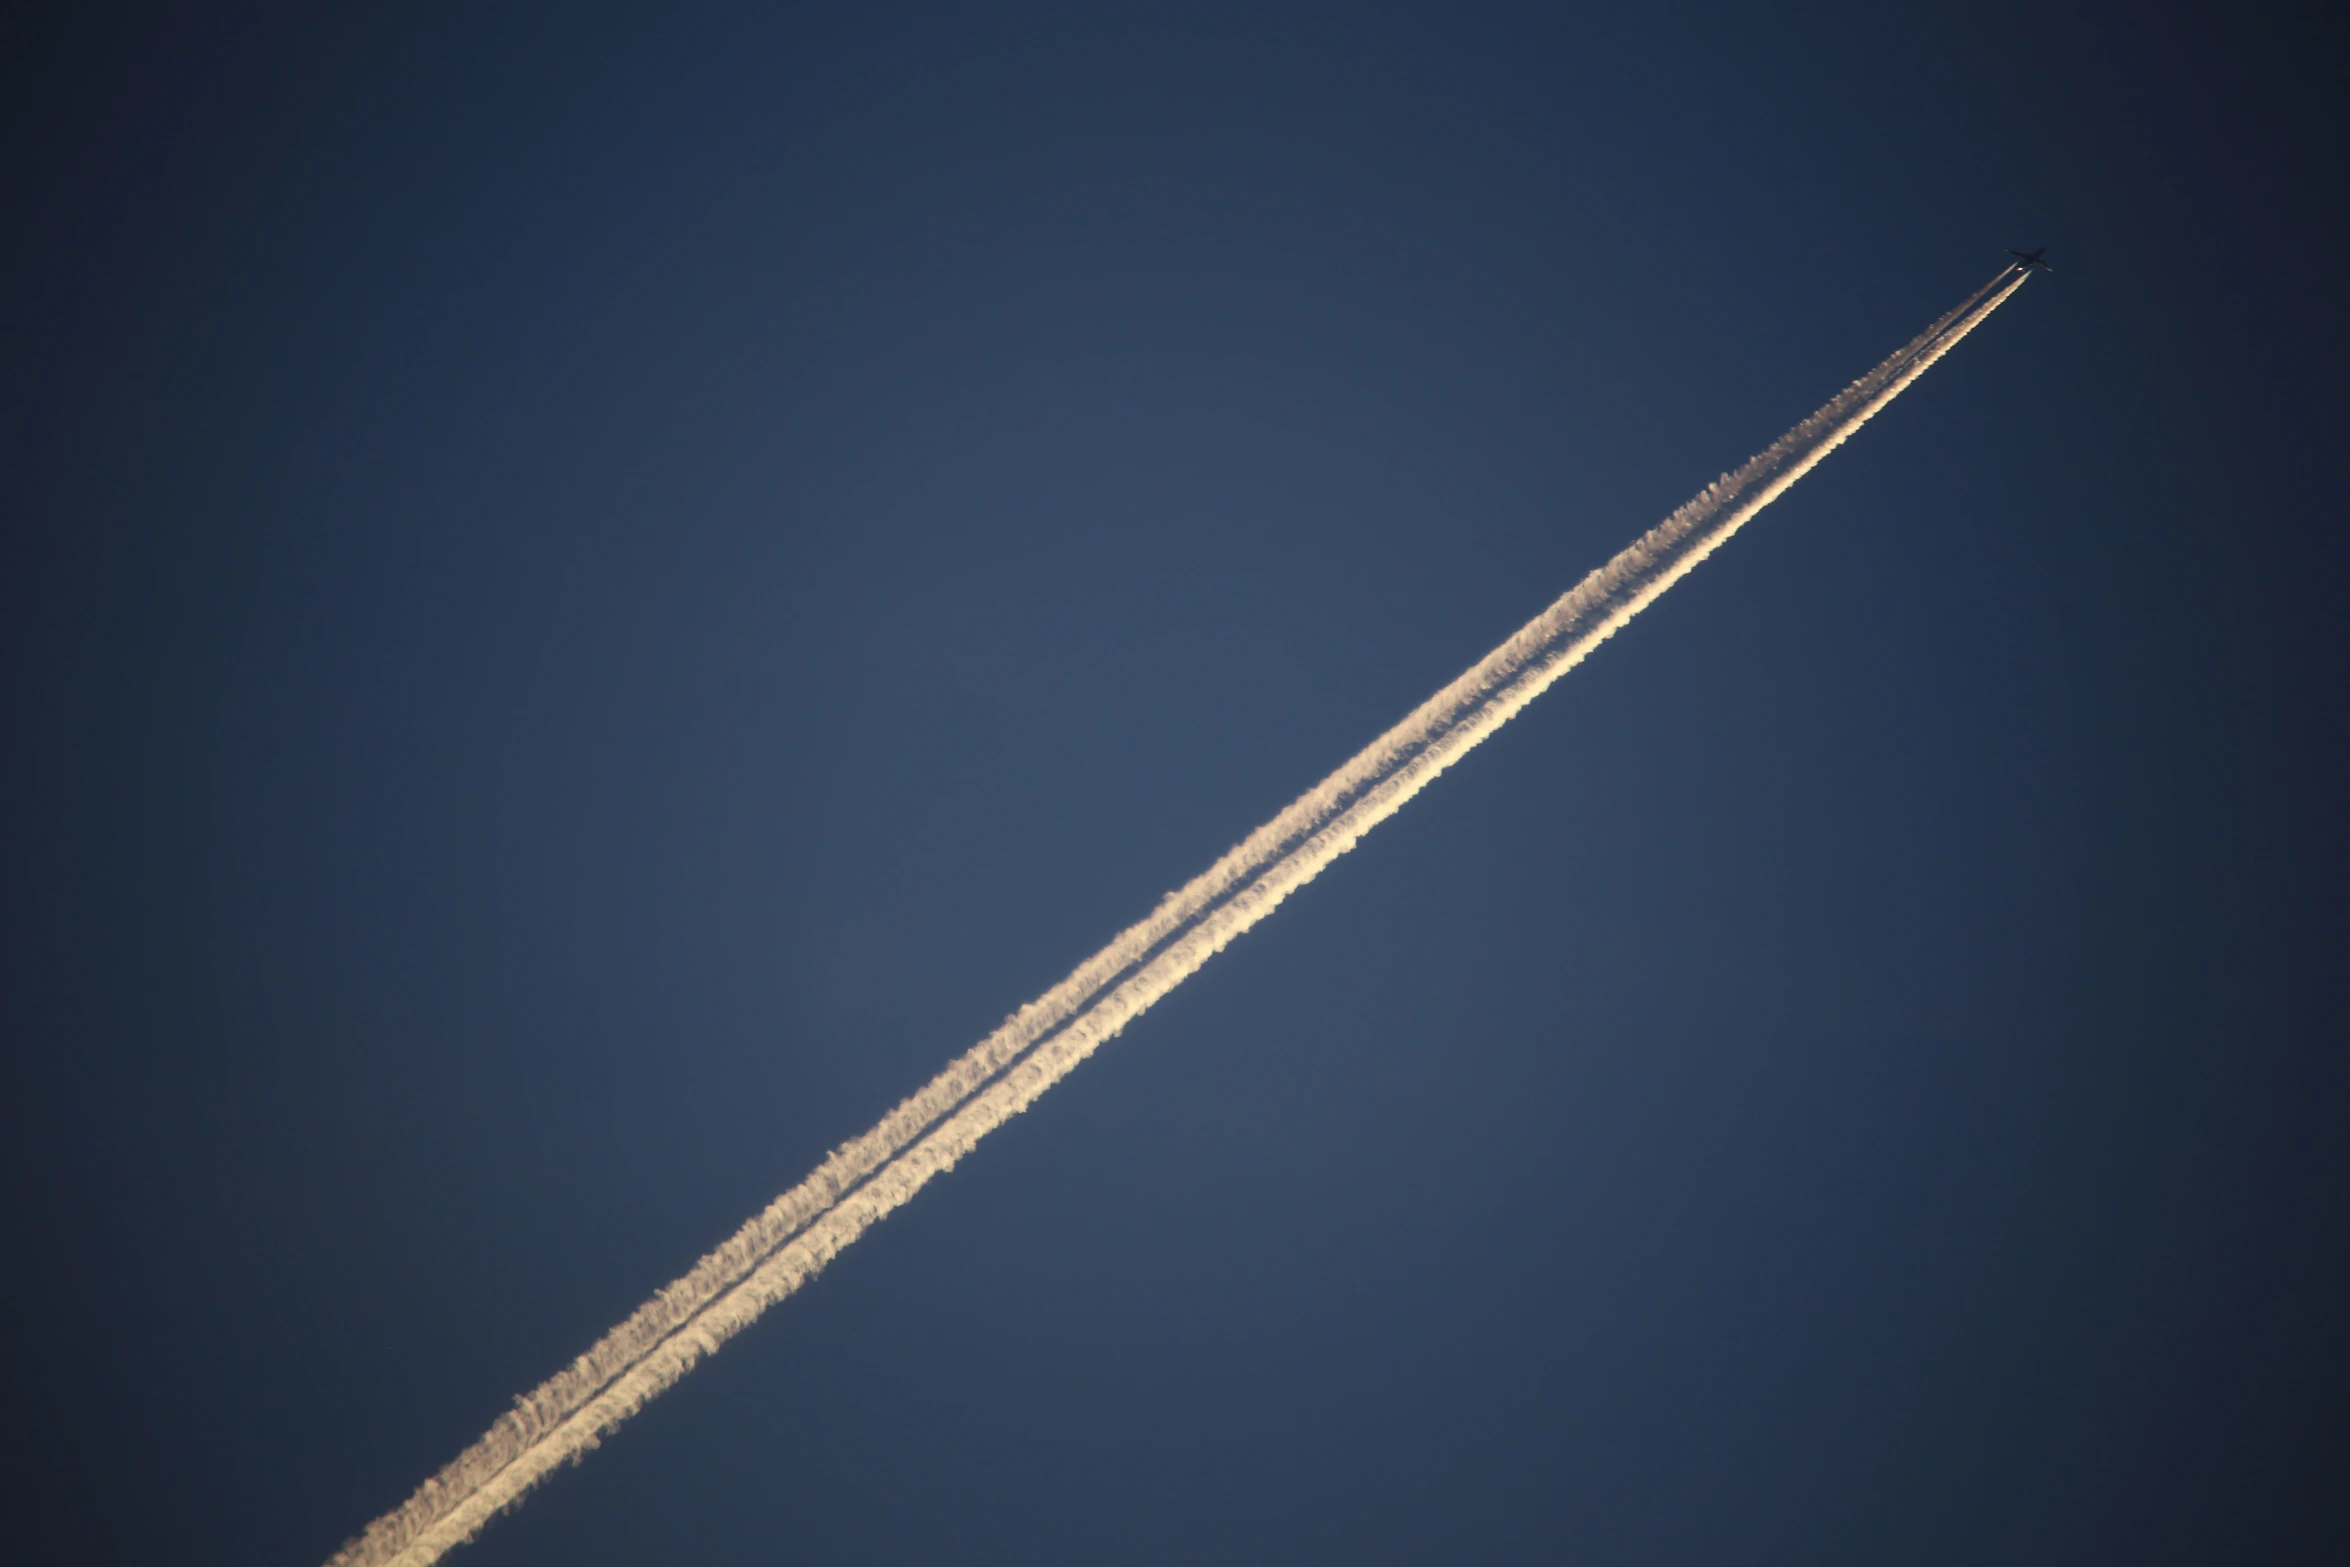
[(2029, 259)]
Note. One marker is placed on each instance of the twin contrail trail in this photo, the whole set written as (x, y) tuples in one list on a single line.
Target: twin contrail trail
[(865, 1179)]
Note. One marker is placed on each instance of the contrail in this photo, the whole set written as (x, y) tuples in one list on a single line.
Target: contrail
[(789, 1241)]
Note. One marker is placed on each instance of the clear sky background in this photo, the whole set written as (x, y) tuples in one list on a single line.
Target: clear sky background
[(589, 597)]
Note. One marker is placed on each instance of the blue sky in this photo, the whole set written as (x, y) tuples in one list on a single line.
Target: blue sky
[(594, 596)]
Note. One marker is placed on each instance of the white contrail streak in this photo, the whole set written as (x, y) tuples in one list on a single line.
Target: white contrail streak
[(865, 1179)]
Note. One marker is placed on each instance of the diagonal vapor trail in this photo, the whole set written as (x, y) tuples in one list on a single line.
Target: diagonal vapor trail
[(789, 1241)]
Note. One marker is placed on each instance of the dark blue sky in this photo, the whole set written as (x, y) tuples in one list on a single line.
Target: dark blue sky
[(588, 598)]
